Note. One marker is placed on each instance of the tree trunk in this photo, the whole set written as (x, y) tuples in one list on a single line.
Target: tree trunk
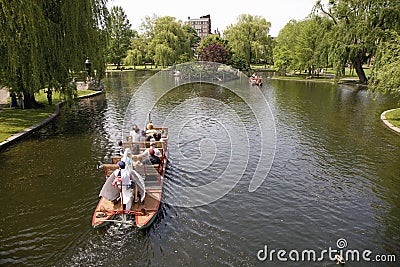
[(30, 101), (359, 70)]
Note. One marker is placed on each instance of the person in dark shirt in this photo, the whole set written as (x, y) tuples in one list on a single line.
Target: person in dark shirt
[(119, 149)]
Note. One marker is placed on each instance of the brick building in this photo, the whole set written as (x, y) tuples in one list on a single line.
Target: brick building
[(201, 25)]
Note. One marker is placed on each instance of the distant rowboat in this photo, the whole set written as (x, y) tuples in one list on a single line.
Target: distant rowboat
[(255, 80)]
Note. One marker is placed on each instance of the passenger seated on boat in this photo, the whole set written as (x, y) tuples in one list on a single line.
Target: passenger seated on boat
[(259, 80), (151, 138), (157, 136), (151, 155), (119, 149), (125, 185), (150, 131), (136, 135), (134, 127)]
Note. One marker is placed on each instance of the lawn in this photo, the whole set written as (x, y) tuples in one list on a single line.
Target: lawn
[(13, 121), (349, 73), (138, 67), (394, 117)]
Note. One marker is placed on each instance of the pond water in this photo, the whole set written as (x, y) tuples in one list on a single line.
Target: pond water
[(335, 174)]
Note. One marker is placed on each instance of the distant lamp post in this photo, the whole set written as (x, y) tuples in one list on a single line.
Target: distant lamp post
[(88, 65)]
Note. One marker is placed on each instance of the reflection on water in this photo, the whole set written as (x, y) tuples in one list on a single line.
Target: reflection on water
[(335, 175)]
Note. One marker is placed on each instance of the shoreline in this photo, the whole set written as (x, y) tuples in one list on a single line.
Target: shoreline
[(344, 81), (387, 123), (19, 136)]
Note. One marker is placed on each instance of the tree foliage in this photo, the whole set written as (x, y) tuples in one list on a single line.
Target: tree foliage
[(214, 48), (249, 37), (282, 51), (386, 71), (238, 62), (215, 53), (168, 40), (194, 38), (303, 45), (43, 42), (119, 34), (357, 27)]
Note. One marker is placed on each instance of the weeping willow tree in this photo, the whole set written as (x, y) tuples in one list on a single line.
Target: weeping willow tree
[(358, 27), (43, 42)]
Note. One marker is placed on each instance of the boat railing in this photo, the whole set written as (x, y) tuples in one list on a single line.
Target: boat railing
[(145, 144), (143, 169), (109, 169)]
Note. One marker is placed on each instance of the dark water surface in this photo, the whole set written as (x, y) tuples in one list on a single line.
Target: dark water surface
[(335, 174)]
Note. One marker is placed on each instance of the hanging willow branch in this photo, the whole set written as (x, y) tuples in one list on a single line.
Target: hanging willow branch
[(44, 41)]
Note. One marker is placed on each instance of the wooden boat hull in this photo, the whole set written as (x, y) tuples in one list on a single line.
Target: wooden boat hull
[(105, 211), (148, 213), (145, 212)]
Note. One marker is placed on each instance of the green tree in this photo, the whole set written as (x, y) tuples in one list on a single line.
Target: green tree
[(310, 46), (194, 38), (283, 50), (386, 70), (44, 42), (119, 35), (238, 62), (147, 29), (249, 37), (164, 55), (357, 27), (137, 52), (134, 57), (170, 42), (302, 45)]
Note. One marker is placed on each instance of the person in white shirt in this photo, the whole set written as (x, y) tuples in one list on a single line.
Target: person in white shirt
[(123, 180), (151, 155)]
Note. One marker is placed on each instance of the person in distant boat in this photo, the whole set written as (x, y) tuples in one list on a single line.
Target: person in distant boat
[(259, 80), (124, 183), (119, 149)]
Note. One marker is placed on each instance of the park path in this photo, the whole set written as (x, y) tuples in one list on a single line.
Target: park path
[(3, 96)]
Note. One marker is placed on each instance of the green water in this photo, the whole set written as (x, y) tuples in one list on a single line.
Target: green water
[(335, 174)]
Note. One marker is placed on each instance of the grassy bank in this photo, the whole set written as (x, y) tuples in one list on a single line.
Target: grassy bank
[(328, 76), (301, 77), (394, 117), (13, 121), (139, 67)]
